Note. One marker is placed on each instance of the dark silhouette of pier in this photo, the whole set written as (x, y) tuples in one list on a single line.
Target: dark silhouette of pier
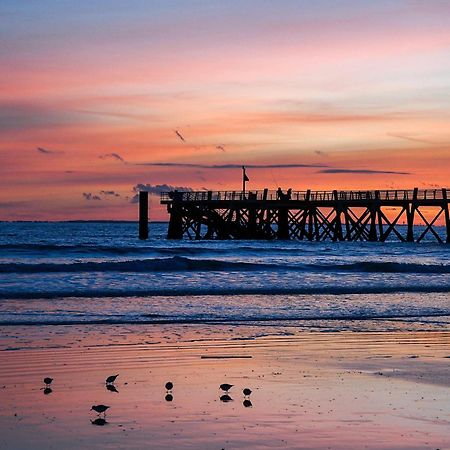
[(407, 215)]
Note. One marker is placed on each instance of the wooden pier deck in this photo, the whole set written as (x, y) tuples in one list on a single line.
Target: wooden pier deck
[(406, 215)]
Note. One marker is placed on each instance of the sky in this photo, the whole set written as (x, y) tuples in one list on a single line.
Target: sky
[(99, 97)]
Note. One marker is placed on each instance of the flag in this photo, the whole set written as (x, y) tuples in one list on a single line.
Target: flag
[(245, 175)]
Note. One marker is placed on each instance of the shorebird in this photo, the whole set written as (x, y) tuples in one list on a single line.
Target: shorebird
[(247, 392), (169, 386), (226, 387), (99, 408), (111, 379), (48, 380), (247, 403), (226, 398)]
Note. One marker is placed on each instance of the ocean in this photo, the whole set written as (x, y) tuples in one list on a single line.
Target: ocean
[(99, 272)]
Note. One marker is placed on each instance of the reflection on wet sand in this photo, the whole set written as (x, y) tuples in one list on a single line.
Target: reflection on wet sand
[(99, 421), (112, 388), (324, 387)]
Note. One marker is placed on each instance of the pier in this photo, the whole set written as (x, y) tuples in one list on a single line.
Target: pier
[(379, 215)]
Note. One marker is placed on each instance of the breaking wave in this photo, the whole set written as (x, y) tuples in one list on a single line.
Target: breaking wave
[(179, 264), (231, 291)]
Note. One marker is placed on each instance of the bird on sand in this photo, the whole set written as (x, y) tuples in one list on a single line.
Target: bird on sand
[(226, 398), (226, 387), (48, 380), (169, 386), (99, 408), (111, 379), (247, 392)]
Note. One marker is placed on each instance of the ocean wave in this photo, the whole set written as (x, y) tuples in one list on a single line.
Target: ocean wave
[(174, 264), (231, 291), (176, 320), (387, 267), (179, 263), (91, 249), (203, 249)]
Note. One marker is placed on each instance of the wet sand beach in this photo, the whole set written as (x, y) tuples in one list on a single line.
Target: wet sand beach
[(310, 390)]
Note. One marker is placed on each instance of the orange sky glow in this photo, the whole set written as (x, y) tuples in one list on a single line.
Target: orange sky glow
[(91, 97)]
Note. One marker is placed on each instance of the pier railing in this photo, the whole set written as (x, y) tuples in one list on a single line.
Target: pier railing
[(397, 194)]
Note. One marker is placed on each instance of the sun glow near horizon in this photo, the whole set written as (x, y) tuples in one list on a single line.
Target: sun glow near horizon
[(94, 94)]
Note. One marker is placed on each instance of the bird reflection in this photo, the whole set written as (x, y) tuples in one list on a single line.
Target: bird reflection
[(47, 390), (168, 397), (99, 421), (247, 403), (111, 388), (225, 398)]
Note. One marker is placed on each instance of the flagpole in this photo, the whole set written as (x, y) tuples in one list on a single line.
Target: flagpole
[(243, 180)]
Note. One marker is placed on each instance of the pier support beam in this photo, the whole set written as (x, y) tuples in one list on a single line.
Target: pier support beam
[(374, 208), (446, 213), (337, 236), (143, 215), (411, 209), (283, 223), (175, 230)]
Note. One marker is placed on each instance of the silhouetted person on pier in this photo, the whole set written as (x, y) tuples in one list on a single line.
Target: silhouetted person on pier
[(289, 194), (280, 194)]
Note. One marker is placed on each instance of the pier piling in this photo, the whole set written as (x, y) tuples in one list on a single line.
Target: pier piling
[(143, 215)]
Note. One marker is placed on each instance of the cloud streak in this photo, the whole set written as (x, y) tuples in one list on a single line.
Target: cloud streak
[(110, 193), (102, 195), (363, 171), (46, 151), (411, 138), (89, 196), (231, 166)]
